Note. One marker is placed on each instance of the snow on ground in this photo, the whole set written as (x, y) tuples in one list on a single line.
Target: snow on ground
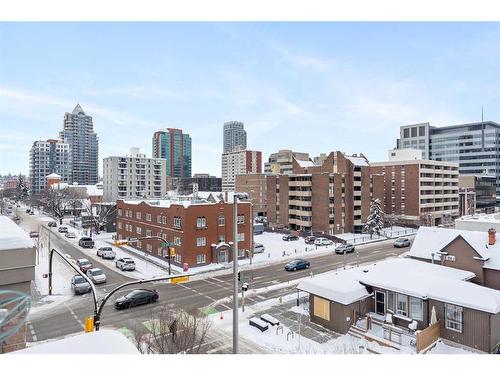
[(47, 302), (442, 348), (61, 278)]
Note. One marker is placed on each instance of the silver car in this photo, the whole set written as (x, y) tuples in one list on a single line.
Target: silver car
[(125, 264), (258, 248), (96, 275), (79, 285)]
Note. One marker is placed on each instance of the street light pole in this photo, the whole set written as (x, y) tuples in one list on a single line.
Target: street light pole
[(235, 274)]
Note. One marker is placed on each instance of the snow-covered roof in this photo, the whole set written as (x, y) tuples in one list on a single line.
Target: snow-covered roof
[(305, 163), (166, 203), (432, 240), (53, 175), (12, 236), (432, 281), (94, 190), (357, 161), (98, 342), (481, 218)]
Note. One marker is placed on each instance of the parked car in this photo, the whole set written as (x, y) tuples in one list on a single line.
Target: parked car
[(96, 275), (290, 237), (321, 241), (62, 229), (28, 210), (297, 264), (258, 248), (84, 264), (310, 240), (70, 235), (402, 242), (136, 297), (86, 243), (31, 213), (79, 285), (34, 234), (258, 228), (345, 248), (52, 224), (106, 253), (125, 264)]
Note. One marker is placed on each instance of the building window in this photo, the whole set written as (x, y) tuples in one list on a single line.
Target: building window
[(119, 212), (177, 258), (390, 302), (119, 225), (138, 230), (139, 244), (177, 241), (454, 317), (138, 215), (148, 217), (148, 233), (414, 132), (158, 219), (241, 219), (201, 241), (241, 237), (149, 247), (421, 131), (321, 308), (402, 304), (201, 259), (177, 222), (201, 222), (222, 238), (222, 220), (416, 308), (164, 220)]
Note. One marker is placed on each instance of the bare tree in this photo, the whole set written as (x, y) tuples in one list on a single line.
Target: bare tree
[(101, 216), (173, 332), (391, 219)]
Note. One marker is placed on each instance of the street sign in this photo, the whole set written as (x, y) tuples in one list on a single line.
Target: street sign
[(180, 279)]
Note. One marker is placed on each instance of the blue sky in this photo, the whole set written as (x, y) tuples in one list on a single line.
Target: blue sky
[(310, 87)]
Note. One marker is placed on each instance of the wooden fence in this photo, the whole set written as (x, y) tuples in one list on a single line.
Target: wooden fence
[(427, 336)]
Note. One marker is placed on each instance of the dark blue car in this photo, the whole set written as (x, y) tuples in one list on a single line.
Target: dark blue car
[(297, 264)]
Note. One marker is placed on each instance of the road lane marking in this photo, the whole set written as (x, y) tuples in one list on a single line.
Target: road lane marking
[(200, 294), (74, 315), (32, 331)]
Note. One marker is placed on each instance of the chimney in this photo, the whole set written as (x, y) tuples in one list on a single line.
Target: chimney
[(491, 236)]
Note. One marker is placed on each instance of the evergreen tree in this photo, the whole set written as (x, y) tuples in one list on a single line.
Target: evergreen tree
[(375, 220), (22, 189)]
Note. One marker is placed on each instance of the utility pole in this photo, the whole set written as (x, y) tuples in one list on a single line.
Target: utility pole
[(235, 273)]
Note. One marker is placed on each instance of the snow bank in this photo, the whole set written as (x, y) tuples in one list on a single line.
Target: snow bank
[(12, 236)]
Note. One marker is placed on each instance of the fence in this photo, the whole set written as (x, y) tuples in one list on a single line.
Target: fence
[(427, 336), (398, 233)]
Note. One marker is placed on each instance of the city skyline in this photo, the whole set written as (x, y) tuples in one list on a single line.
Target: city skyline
[(258, 73)]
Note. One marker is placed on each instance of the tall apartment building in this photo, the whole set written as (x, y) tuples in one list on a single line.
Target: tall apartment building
[(332, 198), (133, 176), (235, 136), (174, 146), (255, 184), (185, 185), (198, 229), (239, 162), (78, 132), (47, 157), (281, 162), (473, 146), (418, 190)]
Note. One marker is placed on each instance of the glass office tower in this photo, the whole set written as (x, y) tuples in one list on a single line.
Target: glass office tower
[(175, 146)]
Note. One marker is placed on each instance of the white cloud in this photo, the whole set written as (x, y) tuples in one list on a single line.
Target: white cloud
[(310, 62)]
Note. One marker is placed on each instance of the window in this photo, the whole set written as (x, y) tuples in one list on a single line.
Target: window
[(416, 308), (119, 212), (222, 238), (177, 258), (241, 236), (414, 132), (402, 304), (200, 259), (241, 219), (177, 222), (138, 230), (148, 233), (148, 217), (201, 222), (321, 308), (421, 131), (138, 215), (454, 317), (406, 133), (158, 219), (177, 241), (119, 225), (149, 247), (201, 241), (390, 302), (222, 220), (164, 220)]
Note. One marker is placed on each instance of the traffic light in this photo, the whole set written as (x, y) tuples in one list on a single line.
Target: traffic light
[(171, 251), (120, 243), (239, 276), (89, 324)]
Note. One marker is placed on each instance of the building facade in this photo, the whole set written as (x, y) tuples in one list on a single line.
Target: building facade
[(281, 162), (47, 157), (331, 198), (473, 146), (255, 184), (235, 136), (197, 229), (477, 194), (133, 176), (239, 162), (185, 185), (78, 132), (174, 146), (418, 191)]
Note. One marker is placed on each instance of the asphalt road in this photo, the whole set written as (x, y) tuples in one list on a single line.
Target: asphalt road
[(68, 317)]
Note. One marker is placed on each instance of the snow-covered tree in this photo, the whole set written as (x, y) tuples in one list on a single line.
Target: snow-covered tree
[(100, 214), (391, 220), (375, 220), (22, 188)]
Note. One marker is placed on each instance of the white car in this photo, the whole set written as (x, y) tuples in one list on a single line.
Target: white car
[(125, 264), (96, 275), (321, 241), (258, 248), (106, 253)]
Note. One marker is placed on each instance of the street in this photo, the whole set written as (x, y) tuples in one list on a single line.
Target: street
[(69, 317)]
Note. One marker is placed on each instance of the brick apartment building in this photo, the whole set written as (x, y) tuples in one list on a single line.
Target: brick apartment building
[(195, 226), (417, 190), (333, 197), (255, 184)]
